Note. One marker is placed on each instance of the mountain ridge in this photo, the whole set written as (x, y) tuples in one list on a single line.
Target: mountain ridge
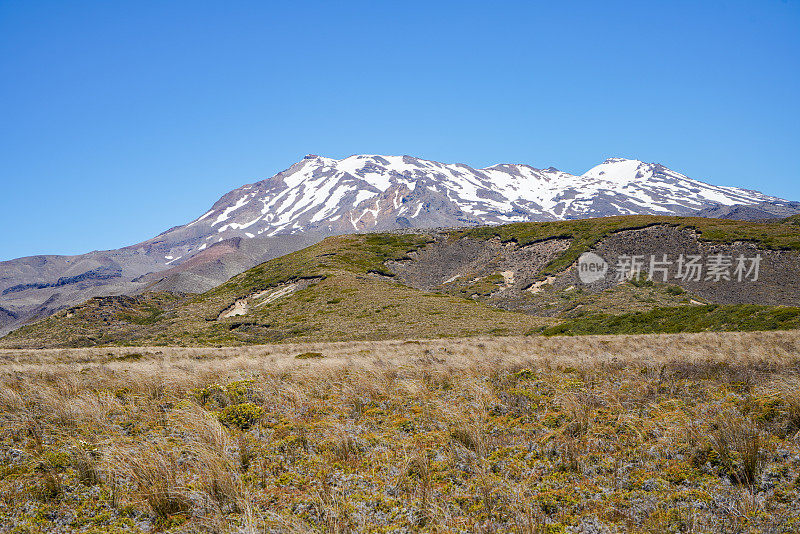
[(318, 197)]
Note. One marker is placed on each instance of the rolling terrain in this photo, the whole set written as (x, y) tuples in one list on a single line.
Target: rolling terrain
[(421, 380), (503, 280)]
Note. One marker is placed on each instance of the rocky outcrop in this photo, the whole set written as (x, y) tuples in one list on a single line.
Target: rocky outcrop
[(777, 282), (508, 276)]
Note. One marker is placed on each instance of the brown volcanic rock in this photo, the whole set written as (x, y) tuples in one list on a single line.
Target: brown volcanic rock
[(778, 282), (448, 260), (508, 276)]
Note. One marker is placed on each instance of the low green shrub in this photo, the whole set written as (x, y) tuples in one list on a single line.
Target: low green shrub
[(677, 319), (241, 416)]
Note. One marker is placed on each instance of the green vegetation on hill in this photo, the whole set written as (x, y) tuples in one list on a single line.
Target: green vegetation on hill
[(350, 298), (738, 317), (351, 295), (361, 254), (622, 298)]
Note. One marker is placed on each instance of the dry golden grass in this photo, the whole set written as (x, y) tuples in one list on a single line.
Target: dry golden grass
[(690, 433), (172, 363)]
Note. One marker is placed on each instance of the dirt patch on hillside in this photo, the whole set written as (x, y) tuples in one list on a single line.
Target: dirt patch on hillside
[(260, 298), (459, 262)]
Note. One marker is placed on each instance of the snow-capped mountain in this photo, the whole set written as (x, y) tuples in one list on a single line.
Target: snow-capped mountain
[(318, 196), (365, 192)]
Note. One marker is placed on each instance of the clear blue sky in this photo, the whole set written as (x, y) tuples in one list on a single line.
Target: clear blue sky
[(121, 119)]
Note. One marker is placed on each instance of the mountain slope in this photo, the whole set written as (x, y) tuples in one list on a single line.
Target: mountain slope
[(510, 279), (35, 287), (319, 196)]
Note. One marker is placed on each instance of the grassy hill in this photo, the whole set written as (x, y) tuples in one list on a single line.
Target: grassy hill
[(349, 297), (342, 289)]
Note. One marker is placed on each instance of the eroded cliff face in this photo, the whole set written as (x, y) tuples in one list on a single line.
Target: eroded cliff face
[(775, 283), (685, 270), (454, 261)]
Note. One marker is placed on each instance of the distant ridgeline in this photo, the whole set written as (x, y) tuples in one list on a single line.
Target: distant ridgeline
[(629, 274)]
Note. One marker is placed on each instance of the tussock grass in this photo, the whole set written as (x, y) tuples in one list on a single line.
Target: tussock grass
[(684, 432)]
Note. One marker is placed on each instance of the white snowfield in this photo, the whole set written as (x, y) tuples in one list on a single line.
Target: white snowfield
[(366, 192)]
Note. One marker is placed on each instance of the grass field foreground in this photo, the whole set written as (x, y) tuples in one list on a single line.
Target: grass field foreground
[(667, 433)]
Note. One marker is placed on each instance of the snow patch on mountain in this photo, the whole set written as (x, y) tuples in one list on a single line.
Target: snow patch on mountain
[(375, 192)]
